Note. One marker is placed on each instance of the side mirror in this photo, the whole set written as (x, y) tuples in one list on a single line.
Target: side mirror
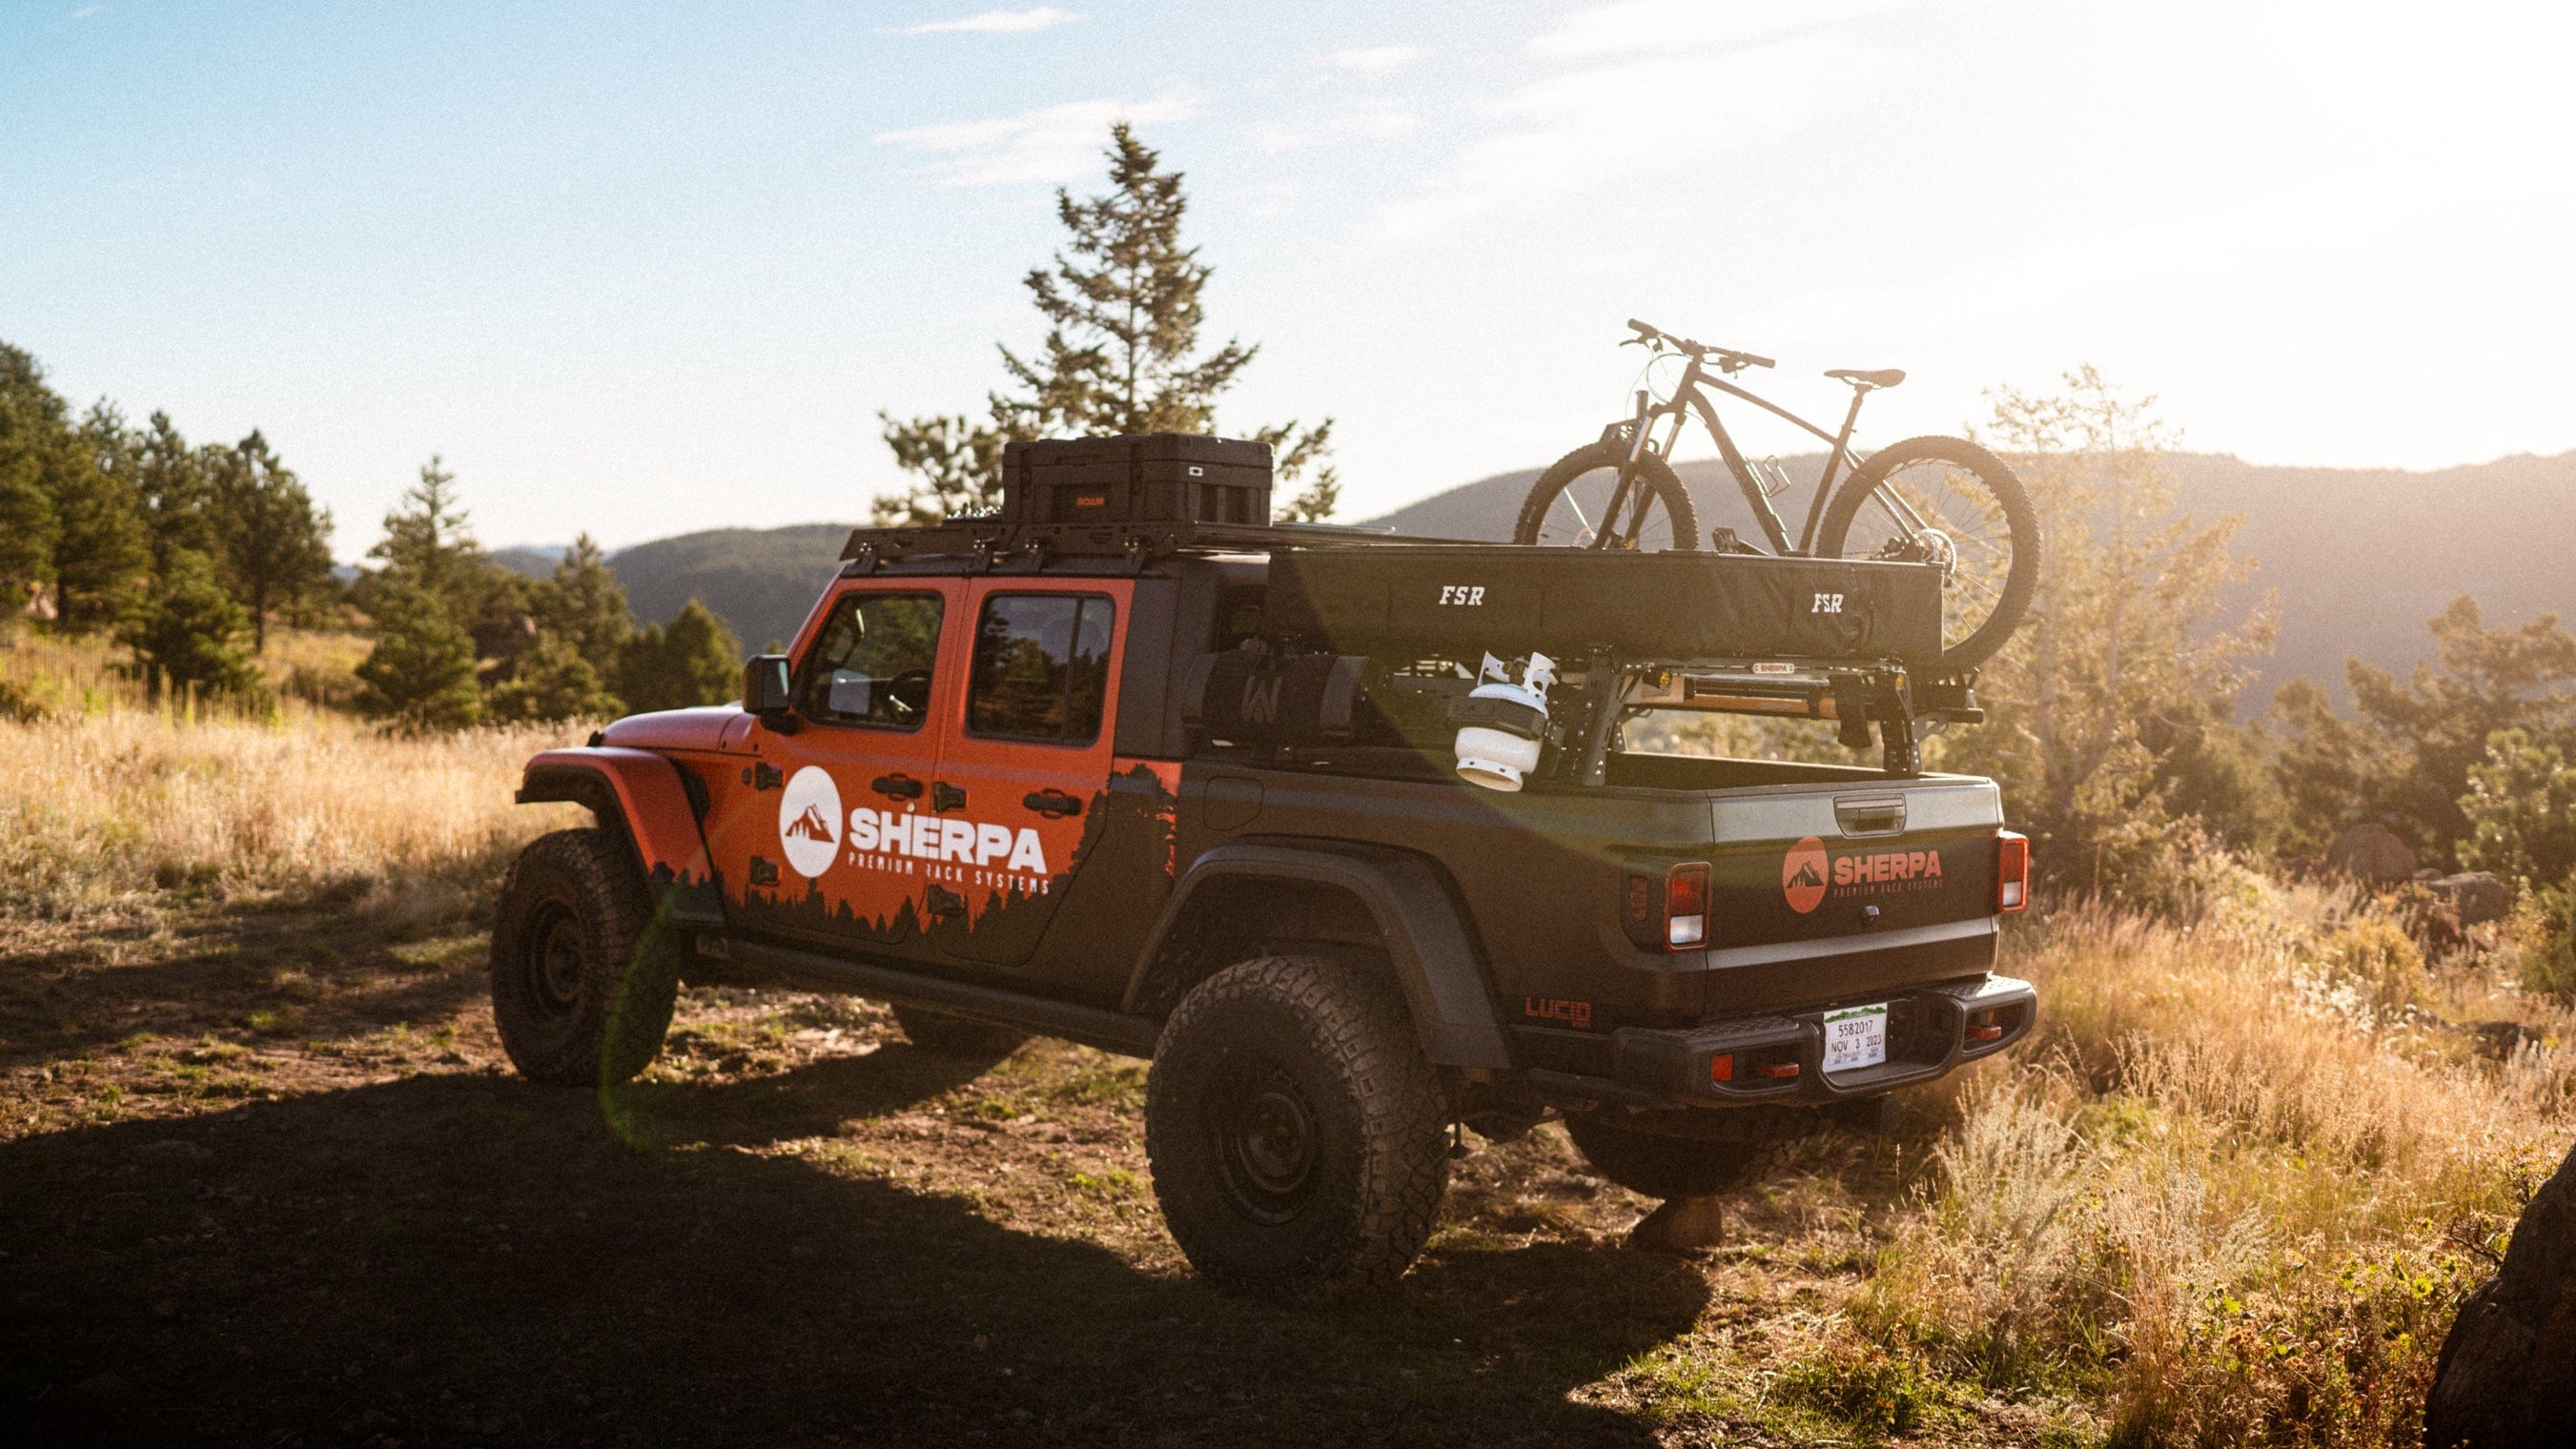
[(766, 688)]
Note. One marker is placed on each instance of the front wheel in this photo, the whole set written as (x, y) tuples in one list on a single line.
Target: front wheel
[(1295, 1131), (1571, 504), (1945, 501), (583, 977)]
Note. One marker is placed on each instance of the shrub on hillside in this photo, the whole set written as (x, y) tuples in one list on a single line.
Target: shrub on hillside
[(552, 682), (695, 659)]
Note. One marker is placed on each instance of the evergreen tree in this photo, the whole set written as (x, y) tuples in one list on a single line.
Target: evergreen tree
[(174, 485), (429, 545), (277, 545), (420, 675), (552, 681), (2406, 756), (33, 438), (102, 554), (2124, 676), (694, 660), (585, 605), (1121, 354), (192, 632)]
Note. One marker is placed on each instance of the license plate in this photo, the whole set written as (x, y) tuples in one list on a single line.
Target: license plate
[(1855, 1037)]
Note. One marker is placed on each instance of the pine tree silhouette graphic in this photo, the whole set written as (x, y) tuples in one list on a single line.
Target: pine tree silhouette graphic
[(1806, 875), (811, 825)]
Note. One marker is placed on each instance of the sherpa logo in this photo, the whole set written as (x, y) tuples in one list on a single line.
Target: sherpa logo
[(1472, 595), (809, 821)]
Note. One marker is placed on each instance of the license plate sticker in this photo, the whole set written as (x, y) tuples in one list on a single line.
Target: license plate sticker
[(1855, 1037)]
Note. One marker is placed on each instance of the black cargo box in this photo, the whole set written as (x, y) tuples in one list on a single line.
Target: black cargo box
[(1680, 606), (1137, 478)]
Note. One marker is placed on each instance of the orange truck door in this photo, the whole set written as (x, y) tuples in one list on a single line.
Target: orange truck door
[(830, 839), (1026, 761)]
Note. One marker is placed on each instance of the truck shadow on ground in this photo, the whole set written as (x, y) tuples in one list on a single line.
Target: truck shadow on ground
[(466, 1257)]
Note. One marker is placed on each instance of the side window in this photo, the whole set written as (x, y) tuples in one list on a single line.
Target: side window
[(871, 664), (1041, 667)]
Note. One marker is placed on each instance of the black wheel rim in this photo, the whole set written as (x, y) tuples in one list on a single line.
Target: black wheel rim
[(1965, 529), (1265, 1133), (555, 958), (1579, 516)]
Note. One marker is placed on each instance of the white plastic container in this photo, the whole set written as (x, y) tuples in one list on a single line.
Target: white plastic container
[(1498, 756)]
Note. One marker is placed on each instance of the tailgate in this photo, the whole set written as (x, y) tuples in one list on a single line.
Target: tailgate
[(1796, 863)]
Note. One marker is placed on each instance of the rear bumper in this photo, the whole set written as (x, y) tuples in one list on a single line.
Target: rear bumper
[(1928, 1036)]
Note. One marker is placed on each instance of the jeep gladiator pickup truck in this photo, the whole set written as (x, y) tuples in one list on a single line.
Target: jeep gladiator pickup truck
[(1196, 792)]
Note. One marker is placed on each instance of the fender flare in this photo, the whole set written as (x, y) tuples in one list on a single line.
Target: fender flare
[(641, 797), (1434, 956)]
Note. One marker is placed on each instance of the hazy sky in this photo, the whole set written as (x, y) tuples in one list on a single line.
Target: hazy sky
[(645, 269)]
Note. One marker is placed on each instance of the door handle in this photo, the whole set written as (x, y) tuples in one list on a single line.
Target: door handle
[(944, 902), (944, 796), (762, 777), (896, 787), (1052, 804)]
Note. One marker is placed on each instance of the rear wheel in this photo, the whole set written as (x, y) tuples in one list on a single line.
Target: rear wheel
[(583, 979), (1662, 1167), (1569, 505), (1946, 501), (1296, 1133)]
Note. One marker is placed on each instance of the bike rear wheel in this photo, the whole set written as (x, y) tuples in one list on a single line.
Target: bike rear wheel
[(1945, 500), (1568, 506)]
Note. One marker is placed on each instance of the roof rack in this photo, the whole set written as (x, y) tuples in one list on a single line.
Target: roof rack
[(989, 540)]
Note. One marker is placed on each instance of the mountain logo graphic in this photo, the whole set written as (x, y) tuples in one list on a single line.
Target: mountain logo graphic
[(1802, 875), (809, 821)]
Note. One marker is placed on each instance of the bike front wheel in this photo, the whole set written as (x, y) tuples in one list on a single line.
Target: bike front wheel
[(1570, 505), (1945, 501)]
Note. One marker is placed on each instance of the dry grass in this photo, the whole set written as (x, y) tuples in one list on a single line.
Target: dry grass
[(113, 804), (2236, 1191)]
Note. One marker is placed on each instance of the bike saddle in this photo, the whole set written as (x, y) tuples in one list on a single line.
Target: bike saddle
[(1884, 377)]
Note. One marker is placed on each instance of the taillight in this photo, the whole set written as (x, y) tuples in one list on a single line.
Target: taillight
[(1686, 905), (2012, 871)]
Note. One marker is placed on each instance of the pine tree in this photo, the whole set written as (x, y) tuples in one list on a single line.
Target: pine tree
[(277, 545), (429, 545), (102, 555), (33, 437), (552, 681), (175, 487), (192, 632), (420, 675), (694, 660), (1121, 354), (585, 605)]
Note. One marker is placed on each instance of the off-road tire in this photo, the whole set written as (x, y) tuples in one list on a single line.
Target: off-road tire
[(583, 980), (2021, 529), (957, 1036), (1660, 1167), (1656, 475), (1297, 1135)]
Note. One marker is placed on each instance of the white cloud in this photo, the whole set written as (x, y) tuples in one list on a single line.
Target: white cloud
[(996, 22), (1055, 144), (1613, 123), (1366, 121), (1374, 60), (1669, 25), (87, 11)]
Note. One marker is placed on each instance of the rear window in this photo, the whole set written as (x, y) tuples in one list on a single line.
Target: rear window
[(1041, 667)]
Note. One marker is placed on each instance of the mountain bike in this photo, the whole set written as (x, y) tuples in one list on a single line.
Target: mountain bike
[(1935, 500)]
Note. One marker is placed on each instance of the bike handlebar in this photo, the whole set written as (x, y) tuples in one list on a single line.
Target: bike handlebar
[(1727, 358)]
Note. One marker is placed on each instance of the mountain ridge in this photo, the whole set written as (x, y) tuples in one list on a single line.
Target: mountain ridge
[(2360, 557)]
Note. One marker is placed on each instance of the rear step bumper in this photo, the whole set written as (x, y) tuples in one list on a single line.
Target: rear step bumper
[(1928, 1036)]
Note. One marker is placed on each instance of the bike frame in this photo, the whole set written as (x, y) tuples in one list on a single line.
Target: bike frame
[(1689, 394)]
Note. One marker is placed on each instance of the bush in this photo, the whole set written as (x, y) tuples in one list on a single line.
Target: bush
[(2543, 934), (193, 635), (2381, 963), (421, 674)]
